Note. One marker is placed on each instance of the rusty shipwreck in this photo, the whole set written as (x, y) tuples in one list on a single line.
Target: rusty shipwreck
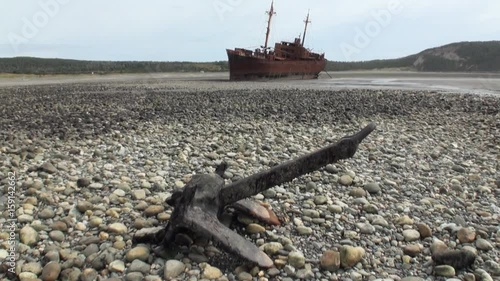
[(289, 60)]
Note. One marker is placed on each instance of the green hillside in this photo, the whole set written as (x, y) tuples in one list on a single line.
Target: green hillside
[(31, 65), (459, 57)]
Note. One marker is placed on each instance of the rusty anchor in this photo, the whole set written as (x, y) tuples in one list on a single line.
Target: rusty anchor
[(199, 206)]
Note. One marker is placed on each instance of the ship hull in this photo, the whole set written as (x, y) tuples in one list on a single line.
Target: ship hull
[(256, 68)]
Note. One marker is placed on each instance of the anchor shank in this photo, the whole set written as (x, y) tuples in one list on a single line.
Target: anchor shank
[(285, 172)]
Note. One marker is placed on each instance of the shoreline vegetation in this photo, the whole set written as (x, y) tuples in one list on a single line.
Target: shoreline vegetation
[(468, 57)]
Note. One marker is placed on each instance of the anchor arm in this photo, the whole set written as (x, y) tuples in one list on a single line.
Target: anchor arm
[(207, 224)]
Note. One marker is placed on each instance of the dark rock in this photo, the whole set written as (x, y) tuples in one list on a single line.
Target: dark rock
[(424, 230), (90, 249), (458, 169), (459, 259), (83, 182), (330, 260), (51, 271)]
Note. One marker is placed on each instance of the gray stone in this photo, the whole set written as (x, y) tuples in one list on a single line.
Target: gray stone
[(356, 276), (28, 235), (24, 218), (198, 258), (211, 272), (119, 192), (349, 256), (117, 266), (139, 266), (90, 250), (304, 230), (289, 270), (173, 268), (310, 186), (124, 186), (320, 199), (403, 220), (46, 213), (370, 208), (56, 235), (134, 276), (273, 272), (269, 193), (84, 206), (411, 235), (95, 221), (245, 276), (331, 169), (255, 228), (118, 228), (70, 274), (305, 273), (272, 248), (345, 180), (51, 271), (310, 213), (444, 270), (33, 267), (483, 275), (26, 276), (48, 168), (412, 278), (493, 267), (296, 259), (139, 194), (483, 244), (372, 187), (96, 185), (336, 209), (357, 192), (365, 228), (458, 169)]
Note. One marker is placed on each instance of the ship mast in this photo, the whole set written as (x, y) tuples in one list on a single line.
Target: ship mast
[(270, 13), (305, 28)]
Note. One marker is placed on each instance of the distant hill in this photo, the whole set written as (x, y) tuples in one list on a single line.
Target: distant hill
[(462, 56), (457, 57)]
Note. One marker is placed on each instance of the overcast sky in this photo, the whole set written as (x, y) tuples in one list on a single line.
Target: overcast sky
[(201, 30)]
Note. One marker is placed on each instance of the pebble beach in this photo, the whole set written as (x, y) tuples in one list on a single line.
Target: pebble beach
[(85, 166)]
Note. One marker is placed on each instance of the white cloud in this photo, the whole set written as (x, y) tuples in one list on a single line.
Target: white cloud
[(195, 30)]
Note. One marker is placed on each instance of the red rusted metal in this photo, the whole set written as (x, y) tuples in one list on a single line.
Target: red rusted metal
[(286, 60)]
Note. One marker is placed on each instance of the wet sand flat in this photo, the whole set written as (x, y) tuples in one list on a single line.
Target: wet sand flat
[(483, 83)]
